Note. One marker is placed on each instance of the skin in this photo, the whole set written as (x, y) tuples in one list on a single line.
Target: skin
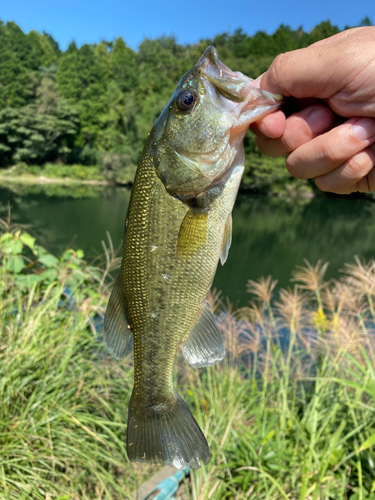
[(330, 134)]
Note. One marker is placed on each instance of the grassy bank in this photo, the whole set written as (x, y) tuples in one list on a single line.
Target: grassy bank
[(53, 173), (289, 413), (33, 179), (264, 175)]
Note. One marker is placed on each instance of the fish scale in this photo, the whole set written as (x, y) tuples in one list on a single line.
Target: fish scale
[(178, 225), (171, 325)]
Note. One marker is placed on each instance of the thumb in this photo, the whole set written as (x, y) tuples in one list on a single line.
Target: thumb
[(316, 71)]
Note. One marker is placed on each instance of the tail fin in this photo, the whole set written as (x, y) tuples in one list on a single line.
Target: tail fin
[(168, 435)]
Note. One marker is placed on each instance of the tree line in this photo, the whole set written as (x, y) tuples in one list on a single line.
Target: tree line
[(94, 104)]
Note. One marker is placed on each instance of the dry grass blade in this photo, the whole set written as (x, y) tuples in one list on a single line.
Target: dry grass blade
[(215, 300), (340, 297), (111, 261), (241, 337), (361, 277), (262, 289), (291, 306), (7, 226), (346, 335), (311, 277), (254, 312)]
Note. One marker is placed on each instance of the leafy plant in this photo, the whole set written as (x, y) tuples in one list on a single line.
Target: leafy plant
[(95, 104), (289, 413)]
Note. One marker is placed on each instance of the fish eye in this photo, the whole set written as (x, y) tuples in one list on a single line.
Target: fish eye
[(186, 99)]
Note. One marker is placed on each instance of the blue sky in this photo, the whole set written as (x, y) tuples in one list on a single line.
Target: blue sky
[(91, 21)]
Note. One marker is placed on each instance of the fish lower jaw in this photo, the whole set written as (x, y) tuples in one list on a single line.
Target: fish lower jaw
[(203, 198), (237, 134)]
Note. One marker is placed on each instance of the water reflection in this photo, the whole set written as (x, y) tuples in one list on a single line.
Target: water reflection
[(270, 236), (66, 221)]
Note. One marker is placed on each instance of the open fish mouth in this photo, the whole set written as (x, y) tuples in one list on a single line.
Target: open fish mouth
[(231, 83), (245, 102), (220, 105), (231, 92)]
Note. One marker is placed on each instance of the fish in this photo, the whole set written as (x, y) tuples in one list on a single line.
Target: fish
[(177, 228)]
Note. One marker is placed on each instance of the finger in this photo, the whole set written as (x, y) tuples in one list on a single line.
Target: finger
[(290, 73), (271, 126), (300, 128), (315, 71), (339, 36), (356, 174), (328, 151), (335, 38)]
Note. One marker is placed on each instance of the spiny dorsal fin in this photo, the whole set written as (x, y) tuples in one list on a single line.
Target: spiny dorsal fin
[(193, 232), (227, 240), (205, 344), (116, 327)]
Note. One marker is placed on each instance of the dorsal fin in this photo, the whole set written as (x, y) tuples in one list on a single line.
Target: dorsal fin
[(205, 344), (117, 331), (227, 240)]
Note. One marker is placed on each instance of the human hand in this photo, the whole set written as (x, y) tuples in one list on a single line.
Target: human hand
[(335, 75)]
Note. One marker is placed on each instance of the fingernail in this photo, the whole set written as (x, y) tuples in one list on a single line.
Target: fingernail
[(319, 119), (364, 128)]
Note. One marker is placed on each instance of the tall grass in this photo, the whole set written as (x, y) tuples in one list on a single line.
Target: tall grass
[(289, 413), (63, 400)]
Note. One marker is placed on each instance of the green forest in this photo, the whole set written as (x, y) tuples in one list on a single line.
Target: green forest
[(92, 106)]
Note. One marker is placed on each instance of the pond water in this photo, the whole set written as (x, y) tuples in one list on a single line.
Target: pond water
[(270, 236)]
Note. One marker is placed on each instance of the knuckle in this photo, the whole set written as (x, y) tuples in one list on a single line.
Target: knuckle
[(255, 128), (269, 147), (355, 167), (322, 184), (290, 141), (330, 155), (325, 183), (363, 185), (292, 167), (277, 67), (370, 179), (261, 144)]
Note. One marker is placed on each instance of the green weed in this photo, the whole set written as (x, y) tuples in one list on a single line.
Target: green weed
[(289, 413)]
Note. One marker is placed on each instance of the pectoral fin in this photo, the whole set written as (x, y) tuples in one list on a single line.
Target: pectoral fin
[(193, 232), (205, 344), (227, 240), (117, 331)]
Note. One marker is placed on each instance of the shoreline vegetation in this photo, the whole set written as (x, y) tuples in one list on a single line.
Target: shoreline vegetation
[(33, 179), (289, 413), (88, 109), (76, 175), (49, 174)]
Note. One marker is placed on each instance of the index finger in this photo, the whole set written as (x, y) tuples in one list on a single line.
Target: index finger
[(271, 126)]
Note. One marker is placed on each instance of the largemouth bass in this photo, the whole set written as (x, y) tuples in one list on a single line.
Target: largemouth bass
[(178, 226)]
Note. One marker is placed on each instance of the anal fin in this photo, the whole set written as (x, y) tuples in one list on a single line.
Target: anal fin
[(117, 331), (227, 240), (205, 344)]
